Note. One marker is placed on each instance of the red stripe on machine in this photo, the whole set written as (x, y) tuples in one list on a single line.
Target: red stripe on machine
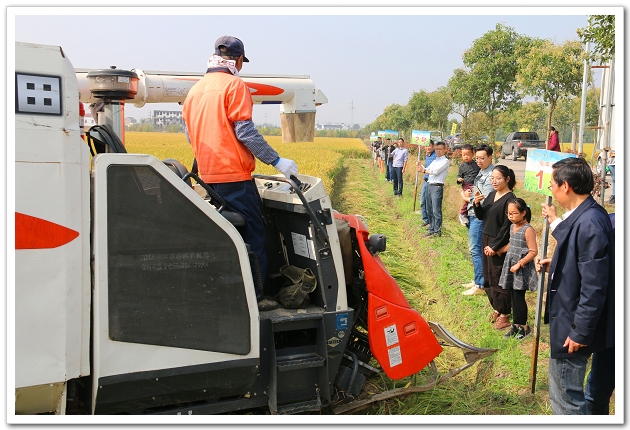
[(37, 233), (264, 90)]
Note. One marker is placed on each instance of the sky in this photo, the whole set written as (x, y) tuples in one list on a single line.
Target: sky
[(362, 58)]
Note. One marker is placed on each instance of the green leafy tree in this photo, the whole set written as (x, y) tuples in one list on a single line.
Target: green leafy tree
[(146, 126), (551, 72), (463, 93), (441, 108), (419, 110), (601, 32), (478, 127), (508, 119), (567, 116), (532, 116), (492, 65), (395, 117)]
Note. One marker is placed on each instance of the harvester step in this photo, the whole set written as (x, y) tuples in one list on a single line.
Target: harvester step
[(301, 361), (297, 408)]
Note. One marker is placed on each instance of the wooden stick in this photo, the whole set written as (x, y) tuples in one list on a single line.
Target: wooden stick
[(539, 300)]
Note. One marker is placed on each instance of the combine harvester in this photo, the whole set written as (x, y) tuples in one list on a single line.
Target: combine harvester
[(134, 290)]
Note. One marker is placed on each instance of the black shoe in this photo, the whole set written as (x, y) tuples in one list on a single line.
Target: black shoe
[(425, 224), (438, 233), (522, 332), (429, 234), (512, 333)]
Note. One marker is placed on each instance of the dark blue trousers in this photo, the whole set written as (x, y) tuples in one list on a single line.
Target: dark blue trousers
[(242, 197), (398, 181), (600, 383)]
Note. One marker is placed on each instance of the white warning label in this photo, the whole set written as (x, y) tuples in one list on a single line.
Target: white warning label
[(300, 246), (391, 335), (395, 357)]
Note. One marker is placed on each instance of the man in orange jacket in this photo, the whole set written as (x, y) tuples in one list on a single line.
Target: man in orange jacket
[(218, 116)]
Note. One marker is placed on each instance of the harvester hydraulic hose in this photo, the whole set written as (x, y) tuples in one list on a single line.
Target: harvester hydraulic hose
[(355, 368), (211, 192)]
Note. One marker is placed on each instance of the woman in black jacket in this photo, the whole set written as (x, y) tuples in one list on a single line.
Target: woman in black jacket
[(494, 240)]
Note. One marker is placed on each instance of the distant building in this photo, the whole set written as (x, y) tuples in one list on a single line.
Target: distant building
[(130, 120), (336, 126), (164, 118)]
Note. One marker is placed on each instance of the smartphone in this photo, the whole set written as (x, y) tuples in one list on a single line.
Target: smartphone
[(476, 190)]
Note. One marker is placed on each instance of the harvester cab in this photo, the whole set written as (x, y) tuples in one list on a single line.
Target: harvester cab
[(143, 301)]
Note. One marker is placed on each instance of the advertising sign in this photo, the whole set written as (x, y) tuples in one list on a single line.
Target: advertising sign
[(538, 169), (392, 134), (454, 128), (420, 138)]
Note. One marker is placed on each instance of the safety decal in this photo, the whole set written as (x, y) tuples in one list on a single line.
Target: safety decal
[(395, 357), (333, 341), (342, 321), (391, 335), (299, 244)]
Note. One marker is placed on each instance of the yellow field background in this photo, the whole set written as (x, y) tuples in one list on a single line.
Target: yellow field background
[(321, 158)]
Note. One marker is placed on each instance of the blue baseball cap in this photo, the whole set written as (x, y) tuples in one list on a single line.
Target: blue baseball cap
[(234, 47)]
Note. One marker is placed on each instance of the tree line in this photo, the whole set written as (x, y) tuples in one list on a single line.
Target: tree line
[(510, 82)]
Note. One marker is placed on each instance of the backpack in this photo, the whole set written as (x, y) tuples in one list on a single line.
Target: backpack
[(295, 292)]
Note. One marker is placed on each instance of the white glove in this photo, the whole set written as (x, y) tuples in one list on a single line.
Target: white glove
[(286, 167)]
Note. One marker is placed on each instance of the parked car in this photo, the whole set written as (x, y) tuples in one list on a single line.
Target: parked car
[(436, 136), (517, 143), (456, 142), (448, 139)]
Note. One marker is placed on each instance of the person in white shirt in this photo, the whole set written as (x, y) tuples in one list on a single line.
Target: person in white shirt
[(399, 163), (437, 171)]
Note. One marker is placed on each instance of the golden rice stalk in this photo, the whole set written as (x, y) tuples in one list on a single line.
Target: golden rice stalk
[(321, 158)]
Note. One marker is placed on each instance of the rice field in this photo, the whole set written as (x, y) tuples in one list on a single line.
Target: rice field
[(321, 158)]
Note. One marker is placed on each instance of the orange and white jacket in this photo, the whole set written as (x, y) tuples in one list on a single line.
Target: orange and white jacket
[(212, 108)]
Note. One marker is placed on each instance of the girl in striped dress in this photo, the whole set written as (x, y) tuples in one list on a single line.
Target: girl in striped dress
[(519, 272)]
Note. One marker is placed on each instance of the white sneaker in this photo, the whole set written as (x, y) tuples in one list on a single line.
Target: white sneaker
[(469, 285), (476, 290), (463, 220)]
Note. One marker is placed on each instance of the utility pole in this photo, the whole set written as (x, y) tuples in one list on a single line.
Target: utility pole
[(583, 105), (351, 114)]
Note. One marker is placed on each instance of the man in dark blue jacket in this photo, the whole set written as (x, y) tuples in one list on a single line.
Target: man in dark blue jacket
[(580, 307)]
